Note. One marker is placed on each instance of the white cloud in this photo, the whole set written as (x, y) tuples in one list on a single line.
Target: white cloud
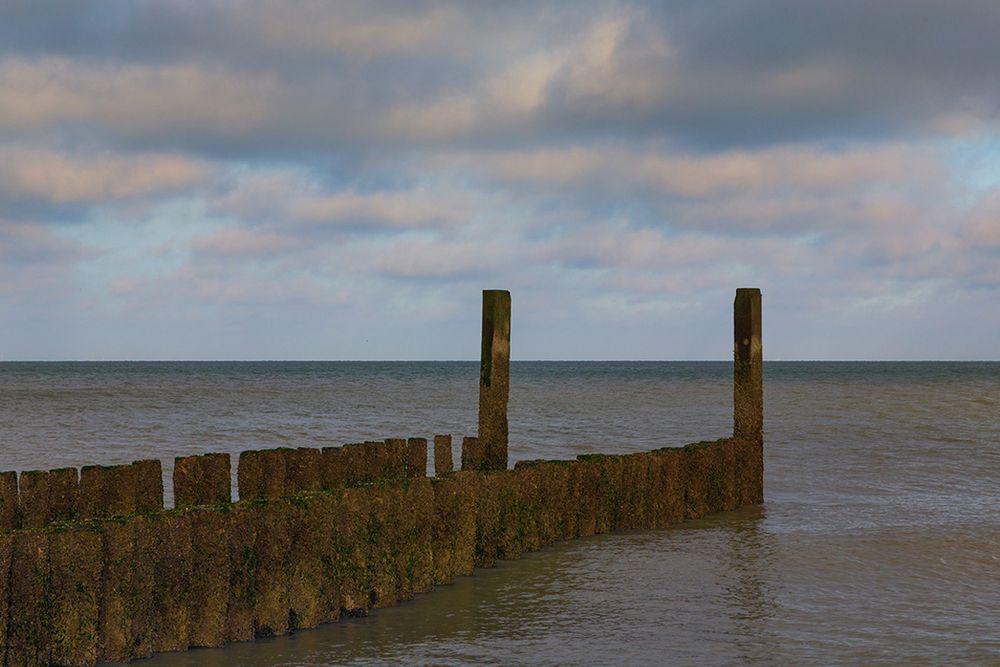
[(27, 243), (663, 171), (133, 99), (235, 242), (292, 197), (983, 221), (93, 178), (442, 259)]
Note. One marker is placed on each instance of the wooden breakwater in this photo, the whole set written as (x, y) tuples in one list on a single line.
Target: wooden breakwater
[(93, 569)]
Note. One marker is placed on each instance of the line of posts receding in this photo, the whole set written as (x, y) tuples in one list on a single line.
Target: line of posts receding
[(489, 450)]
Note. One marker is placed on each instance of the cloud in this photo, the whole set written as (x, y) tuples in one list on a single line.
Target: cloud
[(29, 174), (235, 242), (442, 259), (308, 77), (677, 173), (382, 209), (621, 246), (146, 104), (219, 159), (24, 243), (983, 221), (249, 286), (37, 273), (237, 31), (359, 31), (290, 198)]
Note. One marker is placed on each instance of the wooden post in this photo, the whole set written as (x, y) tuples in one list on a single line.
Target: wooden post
[(443, 464), (202, 480), (748, 366), (494, 379)]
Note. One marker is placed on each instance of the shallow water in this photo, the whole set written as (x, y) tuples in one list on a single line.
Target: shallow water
[(878, 543)]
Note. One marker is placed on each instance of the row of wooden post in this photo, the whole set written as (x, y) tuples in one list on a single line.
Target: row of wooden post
[(490, 452)]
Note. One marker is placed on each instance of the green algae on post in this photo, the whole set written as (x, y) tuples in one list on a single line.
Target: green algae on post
[(210, 576), (303, 469), (6, 548), (201, 480), (443, 464), (119, 597), (494, 380), (8, 501), (148, 479), (166, 538), (29, 591), (242, 552), (415, 459), (47, 496), (75, 583)]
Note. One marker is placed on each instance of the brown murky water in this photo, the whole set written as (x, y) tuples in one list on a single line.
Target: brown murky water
[(879, 542)]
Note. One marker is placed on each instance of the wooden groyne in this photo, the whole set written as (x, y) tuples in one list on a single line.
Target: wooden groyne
[(93, 568)]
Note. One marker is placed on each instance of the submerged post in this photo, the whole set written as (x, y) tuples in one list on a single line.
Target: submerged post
[(748, 366), (494, 380)]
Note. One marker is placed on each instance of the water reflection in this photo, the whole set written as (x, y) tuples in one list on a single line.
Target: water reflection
[(749, 560)]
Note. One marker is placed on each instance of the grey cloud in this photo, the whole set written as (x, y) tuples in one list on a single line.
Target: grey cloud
[(632, 155), (783, 69), (23, 244), (271, 79), (291, 200), (37, 183)]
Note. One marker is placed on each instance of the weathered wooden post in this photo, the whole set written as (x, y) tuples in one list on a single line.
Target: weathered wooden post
[(494, 380), (748, 366), (748, 397)]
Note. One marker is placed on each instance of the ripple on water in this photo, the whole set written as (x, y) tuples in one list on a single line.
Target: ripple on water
[(878, 542)]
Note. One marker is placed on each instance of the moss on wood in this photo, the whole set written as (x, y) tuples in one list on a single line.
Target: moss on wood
[(472, 454), (122, 587), (303, 471), (202, 480), (273, 545), (8, 501), (443, 463), (118, 599), (75, 583), (6, 547), (147, 475), (210, 576), (331, 465), (415, 459), (242, 551), (29, 629), (164, 540)]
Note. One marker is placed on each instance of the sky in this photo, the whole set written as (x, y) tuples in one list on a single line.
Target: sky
[(337, 180)]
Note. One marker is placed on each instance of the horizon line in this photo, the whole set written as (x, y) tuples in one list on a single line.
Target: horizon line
[(401, 361)]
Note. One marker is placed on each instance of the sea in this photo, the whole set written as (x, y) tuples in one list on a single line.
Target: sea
[(878, 542)]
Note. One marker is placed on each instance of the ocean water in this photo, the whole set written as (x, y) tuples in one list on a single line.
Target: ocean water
[(878, 542)]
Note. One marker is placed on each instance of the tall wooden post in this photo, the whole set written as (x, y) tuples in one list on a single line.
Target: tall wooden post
[(494, 380), (748, 366)]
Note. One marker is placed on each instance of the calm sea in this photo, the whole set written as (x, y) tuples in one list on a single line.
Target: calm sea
[(878, 543)]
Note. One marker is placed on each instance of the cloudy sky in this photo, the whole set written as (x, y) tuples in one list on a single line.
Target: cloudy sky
[(312, 180)]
